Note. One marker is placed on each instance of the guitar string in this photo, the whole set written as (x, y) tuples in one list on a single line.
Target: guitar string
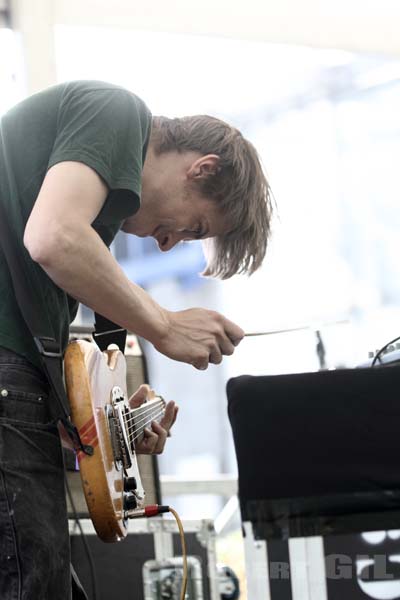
[(148, 416), (132, 437), (139, 430), (142, 410), (146, 420), (136, 437), (132, 421), (134, 412)]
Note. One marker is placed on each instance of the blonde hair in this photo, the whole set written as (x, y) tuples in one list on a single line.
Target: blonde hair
[(239, 187)]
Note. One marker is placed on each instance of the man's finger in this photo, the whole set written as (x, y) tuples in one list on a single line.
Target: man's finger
[(215, 357), (161, 434), (141, 395), (201, 363), (226, 346), (233, 332), (149, 442), (176, 410), (200, 366), (170, 415)]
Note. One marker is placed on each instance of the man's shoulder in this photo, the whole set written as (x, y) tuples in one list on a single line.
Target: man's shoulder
[(91, 85), (90, 90), (98, 88), (103, 99)]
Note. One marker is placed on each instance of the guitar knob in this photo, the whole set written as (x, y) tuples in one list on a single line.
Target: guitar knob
[(129, 502), (130, 484)]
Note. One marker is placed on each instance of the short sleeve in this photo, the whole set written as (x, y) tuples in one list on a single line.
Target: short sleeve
[(107, 128)]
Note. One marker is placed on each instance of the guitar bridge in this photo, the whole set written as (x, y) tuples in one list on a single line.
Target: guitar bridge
[(118, 440)]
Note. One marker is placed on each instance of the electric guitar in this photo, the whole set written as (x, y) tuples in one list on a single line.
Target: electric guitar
[(96, 388)]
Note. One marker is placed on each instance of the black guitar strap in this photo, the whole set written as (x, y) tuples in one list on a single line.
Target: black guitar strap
[(106, 332), (33, 308)]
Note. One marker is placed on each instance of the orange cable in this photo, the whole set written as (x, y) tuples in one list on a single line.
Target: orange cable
[(184, 555)]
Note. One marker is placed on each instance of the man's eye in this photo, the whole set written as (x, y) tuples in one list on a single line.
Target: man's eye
[(198, 232), (194, 234)]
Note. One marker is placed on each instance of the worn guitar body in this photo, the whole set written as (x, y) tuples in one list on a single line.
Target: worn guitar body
[(96, 388)]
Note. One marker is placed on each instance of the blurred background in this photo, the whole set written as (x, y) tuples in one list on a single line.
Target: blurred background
[(315, 85)]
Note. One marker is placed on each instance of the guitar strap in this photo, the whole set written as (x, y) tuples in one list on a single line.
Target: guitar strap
[(33, 308), (106, 332)]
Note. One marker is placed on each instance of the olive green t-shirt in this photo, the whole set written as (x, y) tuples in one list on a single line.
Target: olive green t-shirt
[(99, 124)]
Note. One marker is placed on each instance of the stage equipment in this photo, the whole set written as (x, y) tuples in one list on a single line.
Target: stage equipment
[(147, 565), (318, 458)]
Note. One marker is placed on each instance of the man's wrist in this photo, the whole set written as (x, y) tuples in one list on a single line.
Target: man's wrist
[(159, 327)]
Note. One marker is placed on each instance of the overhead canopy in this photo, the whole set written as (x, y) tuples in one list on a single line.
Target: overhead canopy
[(358, 25), (364, 25)]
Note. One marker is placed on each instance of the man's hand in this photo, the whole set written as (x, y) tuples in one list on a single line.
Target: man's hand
[(198, 336), (154, 438)]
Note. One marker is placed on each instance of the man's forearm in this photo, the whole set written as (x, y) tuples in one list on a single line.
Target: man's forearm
[(77, 261), (83, 267)]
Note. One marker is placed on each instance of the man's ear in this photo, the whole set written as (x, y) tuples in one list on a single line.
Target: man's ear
[(203, 167)]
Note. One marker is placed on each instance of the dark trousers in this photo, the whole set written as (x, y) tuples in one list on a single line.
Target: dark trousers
[(34, 540)]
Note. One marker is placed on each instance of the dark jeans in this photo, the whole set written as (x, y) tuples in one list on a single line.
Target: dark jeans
[(34, 541)]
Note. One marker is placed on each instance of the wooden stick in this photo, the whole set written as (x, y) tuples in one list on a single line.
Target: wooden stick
[(315, 327)]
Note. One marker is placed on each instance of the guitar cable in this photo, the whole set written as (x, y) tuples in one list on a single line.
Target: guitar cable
[(153, 510), (184, 554), (381, 351), (148, 511)]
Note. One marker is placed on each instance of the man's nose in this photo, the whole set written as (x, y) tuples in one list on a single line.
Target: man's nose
[(169, 241)]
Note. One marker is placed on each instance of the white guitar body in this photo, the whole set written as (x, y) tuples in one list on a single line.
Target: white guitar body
[(96, 387)]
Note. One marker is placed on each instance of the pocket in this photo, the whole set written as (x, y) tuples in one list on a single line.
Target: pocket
[(23, 406), (23, 378)]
